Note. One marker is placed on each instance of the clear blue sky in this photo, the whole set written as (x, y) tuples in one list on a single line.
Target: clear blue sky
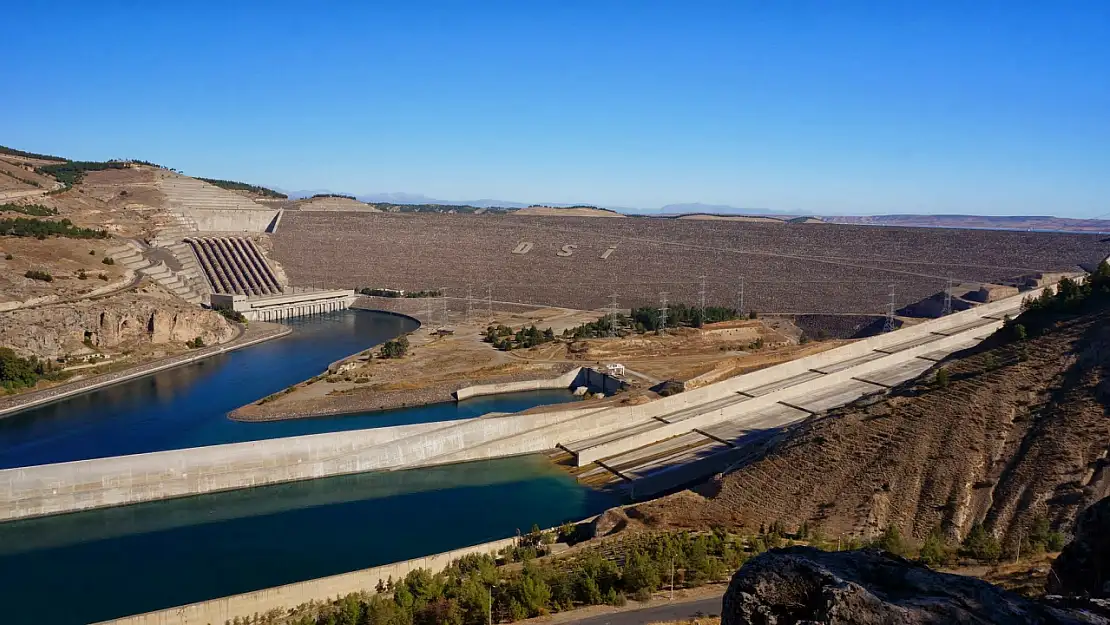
[(824, 106)]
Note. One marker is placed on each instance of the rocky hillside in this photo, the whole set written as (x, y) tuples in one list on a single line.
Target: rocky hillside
[(805, 585), (1018, 430), (110, 325)]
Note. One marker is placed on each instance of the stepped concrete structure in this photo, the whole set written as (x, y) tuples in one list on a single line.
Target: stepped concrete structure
[(651, 446), (234, 265), (209, 208), (169, 267)]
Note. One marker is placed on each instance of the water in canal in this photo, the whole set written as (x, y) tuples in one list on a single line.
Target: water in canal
[(101, 564)]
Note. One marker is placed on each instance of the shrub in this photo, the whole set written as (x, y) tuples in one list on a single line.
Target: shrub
[(981, 545), (108, 260), (34, 210), (941, 378), (8, 257), (934, 552), (92, 252), (395, 349), (196, 343), (231, 314), (40, 229), (35, 274)]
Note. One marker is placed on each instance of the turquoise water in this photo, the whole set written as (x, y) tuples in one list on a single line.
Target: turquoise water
[(96, 565), (101, 564)]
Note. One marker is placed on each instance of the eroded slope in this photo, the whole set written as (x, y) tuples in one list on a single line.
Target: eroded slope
[(1020, 430)]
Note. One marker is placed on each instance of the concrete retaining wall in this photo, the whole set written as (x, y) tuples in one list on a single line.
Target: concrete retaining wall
[(232, 219), (49, 489), (598, 381), (734, 411), (479, 390), (218, 611), (86, 484), (102, 482)]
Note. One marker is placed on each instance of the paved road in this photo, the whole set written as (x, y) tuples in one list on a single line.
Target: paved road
[(667, 612)]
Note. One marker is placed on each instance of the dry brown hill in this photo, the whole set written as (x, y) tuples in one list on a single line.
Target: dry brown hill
[(1020, 430), (567, 211)]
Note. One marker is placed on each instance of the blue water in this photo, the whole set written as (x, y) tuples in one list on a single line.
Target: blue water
[(187, 406), (132, 559), (92, 566)]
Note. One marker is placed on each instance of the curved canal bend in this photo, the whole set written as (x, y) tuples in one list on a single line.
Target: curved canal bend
[(151, 556)]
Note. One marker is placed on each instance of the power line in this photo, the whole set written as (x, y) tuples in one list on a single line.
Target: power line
[(489, 303), (740, 303), (946, 309), (701, 294)]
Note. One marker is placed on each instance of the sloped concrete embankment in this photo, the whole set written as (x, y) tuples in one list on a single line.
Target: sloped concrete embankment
[(65, 487)]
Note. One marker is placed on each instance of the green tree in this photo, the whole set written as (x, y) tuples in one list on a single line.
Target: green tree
[(640, 573), (934, 552), (981, 545), (892, 541)]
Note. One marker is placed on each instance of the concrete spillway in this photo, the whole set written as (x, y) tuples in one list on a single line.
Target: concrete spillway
[(234, 266), (592, 434)]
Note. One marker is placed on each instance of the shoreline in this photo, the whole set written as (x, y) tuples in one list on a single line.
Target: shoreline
[(33, 399), (383, 401), (356, 401)]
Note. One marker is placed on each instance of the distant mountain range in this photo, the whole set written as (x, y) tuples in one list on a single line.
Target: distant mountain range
[(420, 198), (1012, 222)]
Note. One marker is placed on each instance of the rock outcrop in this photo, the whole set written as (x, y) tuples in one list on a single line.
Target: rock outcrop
[(806, 585), (1083, 568), (120, 322)]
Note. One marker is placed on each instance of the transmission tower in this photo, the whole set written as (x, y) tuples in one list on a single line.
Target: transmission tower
[(889, 325), (946, 309), (663, 314), (489, 303), (701, 295), (469, 305), (428, 315), (443, 298), (740, 298), (612, 314)]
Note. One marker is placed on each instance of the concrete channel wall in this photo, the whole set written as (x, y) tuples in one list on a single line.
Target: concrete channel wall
[(103, 482), (732, 411), (66, 487), (478, 390), (219, 611)]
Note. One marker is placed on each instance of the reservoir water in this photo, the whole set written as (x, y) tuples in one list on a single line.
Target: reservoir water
[(132, 559), (187, 406)]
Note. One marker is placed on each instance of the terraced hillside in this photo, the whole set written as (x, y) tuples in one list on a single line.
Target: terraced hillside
[(1021, 430), (787, 268)]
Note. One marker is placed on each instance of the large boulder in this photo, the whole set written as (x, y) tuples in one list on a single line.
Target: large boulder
[(1083, 568), (806, 585)]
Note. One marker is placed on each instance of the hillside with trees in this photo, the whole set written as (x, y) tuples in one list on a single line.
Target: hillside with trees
[(232, 185)]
